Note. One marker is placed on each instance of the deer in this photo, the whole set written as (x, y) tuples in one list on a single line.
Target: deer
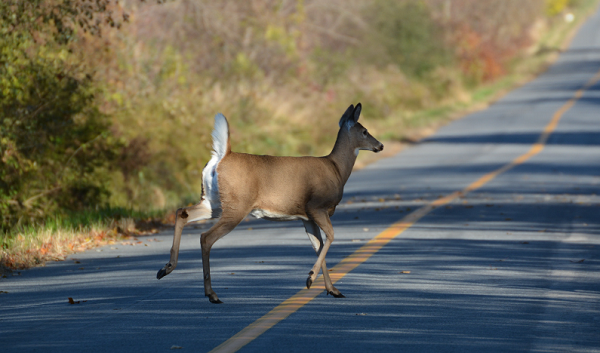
[(273, 188)]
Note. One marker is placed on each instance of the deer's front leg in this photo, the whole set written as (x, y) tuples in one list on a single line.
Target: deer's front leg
[(322, 221), (314, 234)]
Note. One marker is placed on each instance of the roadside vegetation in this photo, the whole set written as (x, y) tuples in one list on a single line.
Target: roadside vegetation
[(106, 107)]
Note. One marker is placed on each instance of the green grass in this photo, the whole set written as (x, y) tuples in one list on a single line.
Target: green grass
[(282, 118), (60, 235)]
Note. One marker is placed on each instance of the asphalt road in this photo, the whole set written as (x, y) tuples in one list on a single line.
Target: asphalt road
[(513, 265)]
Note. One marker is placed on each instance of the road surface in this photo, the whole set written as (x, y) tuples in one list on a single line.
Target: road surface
[(483, 237)]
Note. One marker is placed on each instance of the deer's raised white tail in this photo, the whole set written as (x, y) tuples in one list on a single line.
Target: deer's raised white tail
[(275, 188)]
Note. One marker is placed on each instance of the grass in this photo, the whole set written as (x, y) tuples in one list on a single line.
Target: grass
[(62, 235), (421, 123), (288, 119)]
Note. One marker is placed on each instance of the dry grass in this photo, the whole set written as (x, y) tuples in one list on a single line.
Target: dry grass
[(283, 73), (53, 241)]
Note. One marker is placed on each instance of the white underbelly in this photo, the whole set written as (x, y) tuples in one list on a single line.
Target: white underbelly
[(273, 216)]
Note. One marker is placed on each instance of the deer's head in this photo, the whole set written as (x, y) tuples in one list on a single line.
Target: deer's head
[(358, 135)]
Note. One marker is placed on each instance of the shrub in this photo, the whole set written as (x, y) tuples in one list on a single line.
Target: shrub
[(53, 139), (406, 36)]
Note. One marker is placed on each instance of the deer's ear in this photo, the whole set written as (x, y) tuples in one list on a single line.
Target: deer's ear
[(347, 115), (356, 113)]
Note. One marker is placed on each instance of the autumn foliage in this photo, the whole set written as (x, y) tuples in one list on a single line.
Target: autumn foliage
[(109, 104)]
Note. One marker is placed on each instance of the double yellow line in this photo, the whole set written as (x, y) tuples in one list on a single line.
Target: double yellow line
[(361, 255)]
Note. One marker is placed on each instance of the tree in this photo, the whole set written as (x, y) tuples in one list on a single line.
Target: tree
[(54, 141)]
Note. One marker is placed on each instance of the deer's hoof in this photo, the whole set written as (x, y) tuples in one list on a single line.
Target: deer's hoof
[(161, 273), (214, 299), (336, 295), (309, 282), (165, 270)]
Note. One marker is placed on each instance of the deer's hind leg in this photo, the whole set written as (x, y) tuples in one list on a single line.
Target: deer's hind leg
[(225, 224), (314, 234), (183, 216)]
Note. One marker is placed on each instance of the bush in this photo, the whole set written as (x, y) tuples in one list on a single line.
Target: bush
[(407, 35), (54, 142)]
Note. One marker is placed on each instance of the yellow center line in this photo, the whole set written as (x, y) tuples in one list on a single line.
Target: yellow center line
[(291, 305)]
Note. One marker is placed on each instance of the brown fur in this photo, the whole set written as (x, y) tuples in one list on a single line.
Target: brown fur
[(307, 188)]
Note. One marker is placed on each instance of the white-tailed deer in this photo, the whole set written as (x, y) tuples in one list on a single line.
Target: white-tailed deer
[(275, 188)]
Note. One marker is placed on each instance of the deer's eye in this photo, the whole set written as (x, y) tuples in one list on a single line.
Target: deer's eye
[(365, 133)]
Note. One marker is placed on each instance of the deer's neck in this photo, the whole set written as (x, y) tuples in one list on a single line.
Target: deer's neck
[(343, 156)]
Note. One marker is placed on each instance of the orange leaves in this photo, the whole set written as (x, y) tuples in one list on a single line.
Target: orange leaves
[(478, 58), (57, 246), (45, 249)]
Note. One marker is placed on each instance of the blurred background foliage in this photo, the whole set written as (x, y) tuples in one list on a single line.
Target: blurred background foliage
[(110, 104)]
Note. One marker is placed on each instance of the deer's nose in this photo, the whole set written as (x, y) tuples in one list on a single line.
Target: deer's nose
[(378, 148)]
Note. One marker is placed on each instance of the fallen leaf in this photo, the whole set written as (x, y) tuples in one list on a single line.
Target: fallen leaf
[(508, 219), (524, 242), (577, 262), (3, 292), (176, 347), (71, 301), (404, 272)]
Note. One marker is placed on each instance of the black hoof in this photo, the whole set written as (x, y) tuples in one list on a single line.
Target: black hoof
[(161, 273), (338, 295), (214, 299), (309, 282)]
